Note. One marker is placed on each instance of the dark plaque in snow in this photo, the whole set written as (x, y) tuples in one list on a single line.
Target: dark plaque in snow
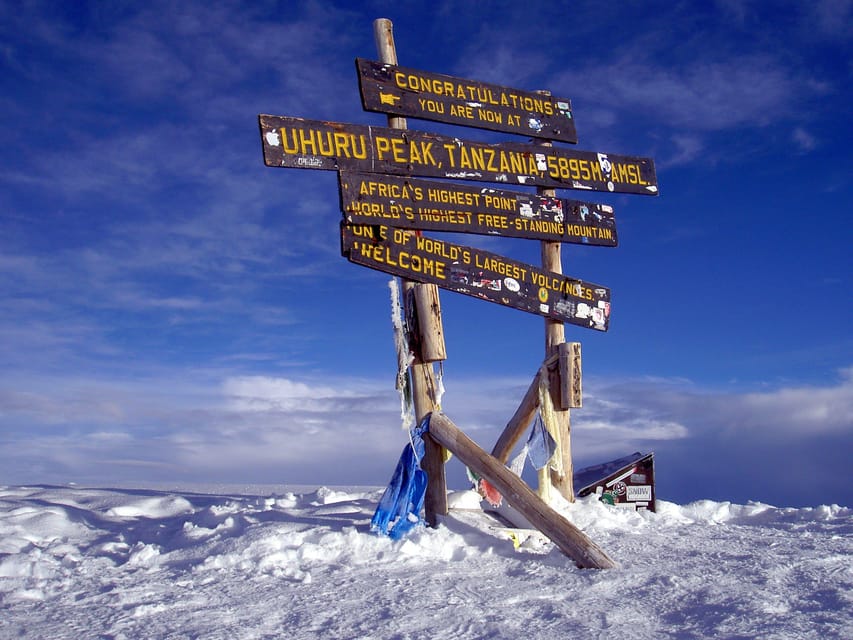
[(627, 482)]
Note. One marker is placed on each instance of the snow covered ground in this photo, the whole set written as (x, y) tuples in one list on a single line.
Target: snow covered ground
[(143, 563)]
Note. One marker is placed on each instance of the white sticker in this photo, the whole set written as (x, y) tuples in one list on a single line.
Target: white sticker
[(272, 139), (640, 493)]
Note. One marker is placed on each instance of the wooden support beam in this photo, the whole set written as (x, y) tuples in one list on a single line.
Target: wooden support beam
[(555, 335), (522, 417), (519, 422), (424, 399), (430, 332), (568, 538), (422, 376), (571, 396)]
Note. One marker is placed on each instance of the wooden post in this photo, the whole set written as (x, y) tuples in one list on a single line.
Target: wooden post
[(555, 334), (571, 385), (518, 423), (430, 332), (570, 540), (423, 378), (523, 416)]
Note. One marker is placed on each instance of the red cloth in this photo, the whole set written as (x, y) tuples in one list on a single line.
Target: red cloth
[(491, 495)]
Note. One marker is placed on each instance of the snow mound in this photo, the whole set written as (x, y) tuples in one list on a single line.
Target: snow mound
[(117, 563)]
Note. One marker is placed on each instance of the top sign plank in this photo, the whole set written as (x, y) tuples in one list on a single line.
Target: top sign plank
[(387, 88), (315, 144)]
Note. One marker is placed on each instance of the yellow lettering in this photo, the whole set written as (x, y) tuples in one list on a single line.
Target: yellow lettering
[(478, 161), (426, 153), (305, 143), (620, 172), (634, 172), (464, 158), (490, 162), (414, 156), (500, 202), (398, 150), (383, 146), (288, 143), (462, 111), (487, 115), (574, 168), (493, 221)]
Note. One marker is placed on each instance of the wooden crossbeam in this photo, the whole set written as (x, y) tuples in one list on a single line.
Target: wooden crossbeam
[(568, 538)]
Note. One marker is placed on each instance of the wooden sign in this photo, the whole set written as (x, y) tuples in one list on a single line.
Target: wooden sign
[(477, 273), (386, 88), (314, 144), (369, 198)]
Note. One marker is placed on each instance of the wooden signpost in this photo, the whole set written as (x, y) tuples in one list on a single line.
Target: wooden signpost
[(413, 203), (477, 273), (385, 208), (387, 88), (316, 144)]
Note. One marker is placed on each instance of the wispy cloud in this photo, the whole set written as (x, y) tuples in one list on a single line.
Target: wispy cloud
[(785, 411), (687, 149), (697, 96), (267, 429), (834, 18), (710, 70), (803, 139), (245, 427)]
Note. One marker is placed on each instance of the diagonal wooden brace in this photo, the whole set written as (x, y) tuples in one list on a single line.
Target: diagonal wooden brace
[(568, 538)]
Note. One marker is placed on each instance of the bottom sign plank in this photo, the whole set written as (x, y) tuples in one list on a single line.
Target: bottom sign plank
[(477, 273)]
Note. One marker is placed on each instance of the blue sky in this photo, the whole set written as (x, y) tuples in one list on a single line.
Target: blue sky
[(174, 311)]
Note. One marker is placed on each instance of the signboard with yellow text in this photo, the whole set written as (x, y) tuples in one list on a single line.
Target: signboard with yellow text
[(315, 144), (477, 273), (413, 203), (387, 88)]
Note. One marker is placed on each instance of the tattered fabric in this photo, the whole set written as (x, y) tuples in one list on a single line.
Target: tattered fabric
[(399, 509)]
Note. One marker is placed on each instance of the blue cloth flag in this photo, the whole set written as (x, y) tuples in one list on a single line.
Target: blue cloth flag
[(540, 445), (399, 509)]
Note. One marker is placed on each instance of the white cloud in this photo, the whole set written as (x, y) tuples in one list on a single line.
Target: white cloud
[(786, 412), (267, 394), (803, 139), (198, 427), (687, 149), (699, 96)]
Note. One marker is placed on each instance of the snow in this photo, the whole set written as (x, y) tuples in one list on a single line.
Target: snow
[(236, 564)]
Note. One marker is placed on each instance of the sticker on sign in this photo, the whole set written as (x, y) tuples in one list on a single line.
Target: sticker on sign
[(639, 493)]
